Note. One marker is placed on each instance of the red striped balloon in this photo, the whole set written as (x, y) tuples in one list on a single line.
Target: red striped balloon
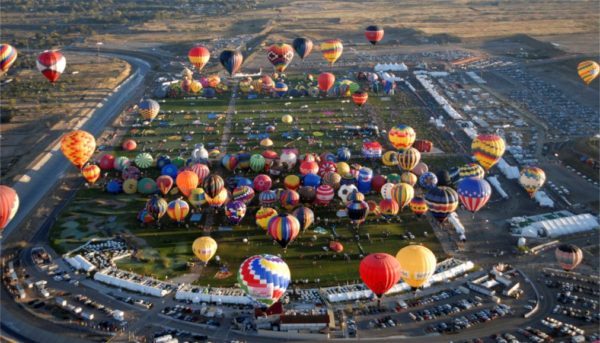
[(9, 204)]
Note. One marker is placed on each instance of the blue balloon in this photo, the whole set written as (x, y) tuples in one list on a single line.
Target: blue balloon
[(171, 170), (114, 186), (162, 161), (364, 186), (243, 181), (428, 180), (209, 93), (312, 180), (343, 154)]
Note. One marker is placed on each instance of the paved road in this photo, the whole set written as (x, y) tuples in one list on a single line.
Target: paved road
[(39, 180)]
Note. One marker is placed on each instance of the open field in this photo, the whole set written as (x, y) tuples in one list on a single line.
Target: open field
[(35, 113), (165, 252)]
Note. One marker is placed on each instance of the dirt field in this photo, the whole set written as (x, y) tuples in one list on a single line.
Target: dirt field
[(42, 112)]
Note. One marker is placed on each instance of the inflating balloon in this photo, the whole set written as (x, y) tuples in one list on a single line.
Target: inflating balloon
[(264, 278), (204, 248)]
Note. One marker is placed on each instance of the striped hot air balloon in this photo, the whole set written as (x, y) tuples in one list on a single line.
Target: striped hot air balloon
[(197, 197), (408, 159), (235, 211), (231, 60), (213, 184), (418, 206), (532, 179), (403, 193), (441, 201), (284, 229), (280, 55), (267, 198), (487, 149), (9, 205), (78, 146), (471, 170), (408, 177), (264, 215), (389, 207), (474, 193), (588, 71), (332, 49), (218, 200), (264, 278), (357, 211), (325, 194), (177, 210), (8, 56), (374, 34), (199, 56), (91, 173), (144, 160), (289, 199), (360, 98), (51, 63), (303, 46), (148, 109), (568, 256), (402, 136), (157, 207), (243, 193), (305, 216)]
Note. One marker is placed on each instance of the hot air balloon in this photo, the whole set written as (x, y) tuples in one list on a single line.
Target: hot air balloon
[(473, 170), (345, 191), (305, 216), (568, 256), (78, 146), (343, 154), (390, 158), (201, 170), (51, 63), (307, 194), (309, 167), (326, 81), (474, 193), (487, 149), (235, 211), (129, 145), (423, 145), (408, 177), (218, 200), (148, 109), (199, 56), (9, 204), (204, 248), (408, 159), (388, 207), (374, 34), (332, 50), (243, 193), (144, 217), (418, 206), (177, 210), (164, 184), (263, 216), (403, 193), (280, 89), (197, 197), (325, 194), (186, 181), (428, 180), (262, 183), (441, 201), (231, 60), (342, 168), (303, 46), (257, 163), (588, 71), (357, 211), (532, 179), (402, 136), (284, 229), (360, 98), (332, 179), (268, 197), (213, 185), (8, 56), (336, 246), (417, 264), (264, 278), (291, 182), (420, 169), (289, 199), (380, 272), (386, 190), (91, 173), (280, 55), (157, 207)]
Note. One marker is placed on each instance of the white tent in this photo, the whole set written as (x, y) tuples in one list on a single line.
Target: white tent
[(561, 226), (390, 67)]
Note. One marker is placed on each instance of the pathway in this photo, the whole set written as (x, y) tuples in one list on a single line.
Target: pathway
[(228, 120)]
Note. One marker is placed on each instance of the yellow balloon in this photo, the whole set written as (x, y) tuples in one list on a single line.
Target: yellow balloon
[(390, 158), (288, 119), (204, 248), (417, 264), (130, 186), (588, 71), (263, 215), (342, 168)]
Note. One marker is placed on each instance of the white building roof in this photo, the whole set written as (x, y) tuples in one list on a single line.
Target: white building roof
[(561, 226)]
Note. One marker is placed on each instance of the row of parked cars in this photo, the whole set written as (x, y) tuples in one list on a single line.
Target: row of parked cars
[(572, 287), (577, 313), (444, 295), (445, 309), (563, 328), (569, 298), (464, 322), (189, 315), (383, 322)]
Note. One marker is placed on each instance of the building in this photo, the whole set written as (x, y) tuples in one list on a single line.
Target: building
[(557, 227), (305, 322)]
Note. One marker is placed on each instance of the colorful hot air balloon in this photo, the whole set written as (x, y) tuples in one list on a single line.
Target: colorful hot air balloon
[(280, 55), (284, 229), (357, 211), (532, 179), (374, 34), (418, 206), (264, 278), (289, 199), (262, 182), (402, 136), (408, 159), (213, 185), (164, 184), (9, 204), (177, 210), (204, 248), (325, 194), (218, 200), (326, 81), (148, 109), (51, 63), (417, 264), (423, 145), (380, 272), (488, 149), (588, 71), (309, 167), (235, 211), (231, 60), (332, 50), (280, 89), (257, 163), (264, 215), (360, 98), (474, 193), (473, 170), (441, 201), (91, 173), (428, 180), (388, 207), (408, 177), (243, 193), (197, 197), (186, 181), (157, 207), (201, 170), (403, 193), (305, 216), (336, 247), (303, 46), (199, 56), (78, 146), (568, 256), (8, 56), (390, 158)]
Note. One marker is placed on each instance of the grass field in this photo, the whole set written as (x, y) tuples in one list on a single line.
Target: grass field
[(165, 252)]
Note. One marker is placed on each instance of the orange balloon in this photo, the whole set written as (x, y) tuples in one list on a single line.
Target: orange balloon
[(91, 173), (186, 181), (78, 146)]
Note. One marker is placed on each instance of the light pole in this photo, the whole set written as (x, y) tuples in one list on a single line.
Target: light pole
[(98, 44)]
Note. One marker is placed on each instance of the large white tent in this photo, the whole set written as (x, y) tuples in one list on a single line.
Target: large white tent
[(561, 226)]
